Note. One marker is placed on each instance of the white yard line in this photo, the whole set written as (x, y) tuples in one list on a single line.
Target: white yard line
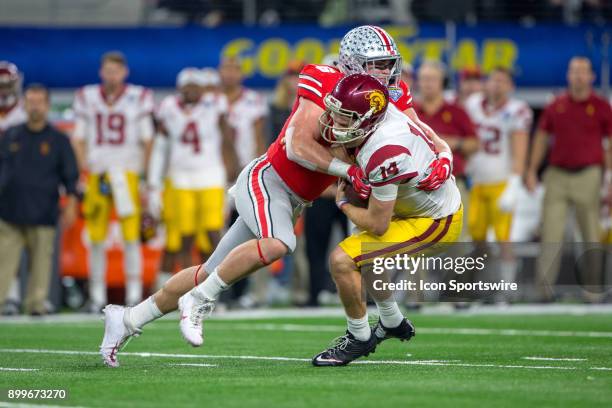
[(419, 330), (554, 359), (219, 323), (449, 363), (17, 369), (264, 313)]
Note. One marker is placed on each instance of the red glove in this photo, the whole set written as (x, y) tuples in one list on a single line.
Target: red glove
[(359, 181), (439, 171)]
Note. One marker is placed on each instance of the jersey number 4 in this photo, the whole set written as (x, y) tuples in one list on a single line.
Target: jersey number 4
[(191, 137)]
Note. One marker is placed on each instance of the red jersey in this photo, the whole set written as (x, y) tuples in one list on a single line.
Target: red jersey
[(315, 81), (577, 128), (450, 120)]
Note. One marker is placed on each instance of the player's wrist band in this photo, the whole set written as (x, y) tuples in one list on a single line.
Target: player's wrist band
[(338, 168), (341, 203), (446, 155)]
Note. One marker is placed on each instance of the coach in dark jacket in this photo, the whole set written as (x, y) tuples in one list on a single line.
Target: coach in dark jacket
[(35, 161)]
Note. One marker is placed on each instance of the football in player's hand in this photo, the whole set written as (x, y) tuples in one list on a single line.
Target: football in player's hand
[(353, 198)]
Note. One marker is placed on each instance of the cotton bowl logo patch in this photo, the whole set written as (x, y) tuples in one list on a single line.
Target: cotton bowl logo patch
[(377, 101), (395, 93)]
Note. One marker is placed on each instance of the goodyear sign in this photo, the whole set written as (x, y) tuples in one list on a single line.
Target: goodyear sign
[(70, 57)]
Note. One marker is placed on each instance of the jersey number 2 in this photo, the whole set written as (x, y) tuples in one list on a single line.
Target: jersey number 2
[(191, 137)]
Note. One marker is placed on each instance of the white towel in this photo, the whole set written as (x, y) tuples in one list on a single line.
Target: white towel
[(124, 204)]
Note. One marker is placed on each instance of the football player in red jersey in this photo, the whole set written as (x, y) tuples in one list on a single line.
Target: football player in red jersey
[(271, 192)]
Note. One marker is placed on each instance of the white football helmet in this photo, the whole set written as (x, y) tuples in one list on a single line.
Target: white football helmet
[(369, 49)]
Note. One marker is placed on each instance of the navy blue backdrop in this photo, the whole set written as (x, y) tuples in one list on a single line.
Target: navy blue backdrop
[(69, 57)]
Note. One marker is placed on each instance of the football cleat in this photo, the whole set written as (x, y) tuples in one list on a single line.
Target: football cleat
[(117, 333), (405, 331), (193, 312), (344, 350)]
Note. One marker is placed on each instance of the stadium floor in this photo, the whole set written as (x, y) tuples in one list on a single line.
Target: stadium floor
[(520, 356)]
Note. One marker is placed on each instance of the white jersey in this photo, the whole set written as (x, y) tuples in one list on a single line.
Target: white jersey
[(15, 116), (196, 159), (114, 132), (243, 114), (495, 127), (395, 158)]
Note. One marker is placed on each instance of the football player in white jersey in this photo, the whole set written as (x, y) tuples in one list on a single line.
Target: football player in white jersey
[(195, 140), (503, 124), (11, 109), (410, 209), (12, 113), (247, 111), (112, 139)]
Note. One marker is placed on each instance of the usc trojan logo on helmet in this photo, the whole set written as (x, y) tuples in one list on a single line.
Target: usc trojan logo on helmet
[(377, 100)]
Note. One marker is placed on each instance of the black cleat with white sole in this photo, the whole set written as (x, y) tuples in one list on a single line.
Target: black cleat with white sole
[(344, 350), (405, 331)]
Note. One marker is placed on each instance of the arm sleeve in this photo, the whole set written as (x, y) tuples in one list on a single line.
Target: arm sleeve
[(145, 119), (387, 192), (157, 163), (69, 171), (523, 118), (79, 106)]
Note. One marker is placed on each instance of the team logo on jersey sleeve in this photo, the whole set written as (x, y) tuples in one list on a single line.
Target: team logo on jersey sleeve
[(377, 100), (395, 93)]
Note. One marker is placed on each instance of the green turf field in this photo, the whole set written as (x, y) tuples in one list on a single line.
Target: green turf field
[(455, 360)]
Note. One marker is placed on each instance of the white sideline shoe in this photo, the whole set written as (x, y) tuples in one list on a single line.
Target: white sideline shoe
[(117, 333), (193, 311)]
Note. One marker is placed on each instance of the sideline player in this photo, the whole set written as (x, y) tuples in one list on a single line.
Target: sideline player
[(296, 169), (12, 113), (503, 124), (194, 134), (112, 140)]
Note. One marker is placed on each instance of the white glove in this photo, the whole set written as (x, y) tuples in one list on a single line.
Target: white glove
[(155, 204), (508, 199)]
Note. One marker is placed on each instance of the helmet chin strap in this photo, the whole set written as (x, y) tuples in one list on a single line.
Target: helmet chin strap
[(342, 134)]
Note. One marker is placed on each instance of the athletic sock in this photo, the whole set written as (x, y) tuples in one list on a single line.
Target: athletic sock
[(389, 312), (97, 274), (133, 272), (143, 313), (210, 288), (360, 328)]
